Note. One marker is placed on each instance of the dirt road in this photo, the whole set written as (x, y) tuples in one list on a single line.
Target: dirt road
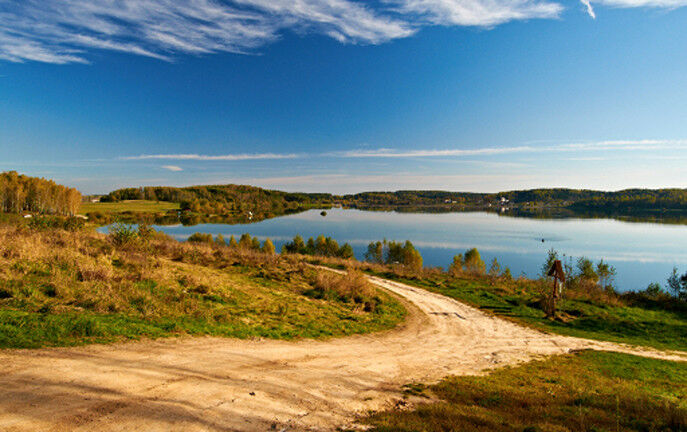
[(213, 384)]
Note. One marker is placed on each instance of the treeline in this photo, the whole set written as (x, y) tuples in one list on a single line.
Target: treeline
[(391, 252), (20, 193), (245, 243), (225, 199), (322, 246), (637, 199), (574, 199), (262, 203), (411, 198)]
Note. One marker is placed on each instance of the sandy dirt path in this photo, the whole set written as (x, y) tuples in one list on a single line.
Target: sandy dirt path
[(214, 384)]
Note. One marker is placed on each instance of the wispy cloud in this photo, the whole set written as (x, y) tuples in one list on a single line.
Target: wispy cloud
[(664, 4), (668, 4), (618, 145), (172, 168), (390, 153), (65, 31), (590, 8), (198, 157), (609, 145), (476, 12)]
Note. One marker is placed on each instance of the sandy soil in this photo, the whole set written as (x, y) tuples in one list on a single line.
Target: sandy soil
[(213, 384)]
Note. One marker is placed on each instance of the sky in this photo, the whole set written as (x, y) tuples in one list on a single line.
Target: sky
[(345, 96)]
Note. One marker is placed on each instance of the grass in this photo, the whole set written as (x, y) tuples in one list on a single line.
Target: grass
[(138, 206), (588, 391), (62, 288)]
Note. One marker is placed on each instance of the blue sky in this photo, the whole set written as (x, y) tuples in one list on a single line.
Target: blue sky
[(344, 95)]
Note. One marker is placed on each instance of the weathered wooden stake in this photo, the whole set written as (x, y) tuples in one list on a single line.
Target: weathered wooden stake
[(558, 280)]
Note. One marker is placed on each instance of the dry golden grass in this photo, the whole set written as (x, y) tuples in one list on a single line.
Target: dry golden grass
[(157, 286)]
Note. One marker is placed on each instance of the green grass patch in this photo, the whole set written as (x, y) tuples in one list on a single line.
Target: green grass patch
[(138, 206), (588, 391)]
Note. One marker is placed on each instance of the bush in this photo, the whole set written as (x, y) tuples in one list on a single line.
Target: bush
[(200, 238), (122, 234), (391, 252), (678, 284), (255, 243), (551, 257), (495, 269), (145, 232), (268, 247), (375, 252), (322, 246), (41, 223), (246, 242), (456, 267), (653, 290), (474, 263), (346, 252), (352, 287), (297, 246)]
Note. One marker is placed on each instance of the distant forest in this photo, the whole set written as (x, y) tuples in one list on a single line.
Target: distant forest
[(628, 200), (226, 199), (263, 203), (20, 193)]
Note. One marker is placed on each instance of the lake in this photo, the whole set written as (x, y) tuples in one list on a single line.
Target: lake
[(641, 252)]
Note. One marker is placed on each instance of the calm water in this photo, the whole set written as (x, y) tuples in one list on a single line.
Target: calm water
[(641, 252)]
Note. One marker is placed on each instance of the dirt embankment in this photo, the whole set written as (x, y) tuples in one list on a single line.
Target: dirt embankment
[(213, 384)]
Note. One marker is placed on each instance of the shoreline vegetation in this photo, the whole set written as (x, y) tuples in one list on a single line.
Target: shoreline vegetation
[(233, 204), (245, 204)]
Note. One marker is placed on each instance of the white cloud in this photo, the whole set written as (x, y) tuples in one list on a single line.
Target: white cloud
[(668, 4), (617, 145), (172, 168), (390, 153), (664, 4), (65, 31), (608, 145), (228, 157), (485, 13), (590, 8), (62, 31)]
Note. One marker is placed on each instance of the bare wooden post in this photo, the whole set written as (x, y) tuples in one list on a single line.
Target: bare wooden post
[(558, 279)]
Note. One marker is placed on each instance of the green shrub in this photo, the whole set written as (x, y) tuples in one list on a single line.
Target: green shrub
[(200, 238)]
